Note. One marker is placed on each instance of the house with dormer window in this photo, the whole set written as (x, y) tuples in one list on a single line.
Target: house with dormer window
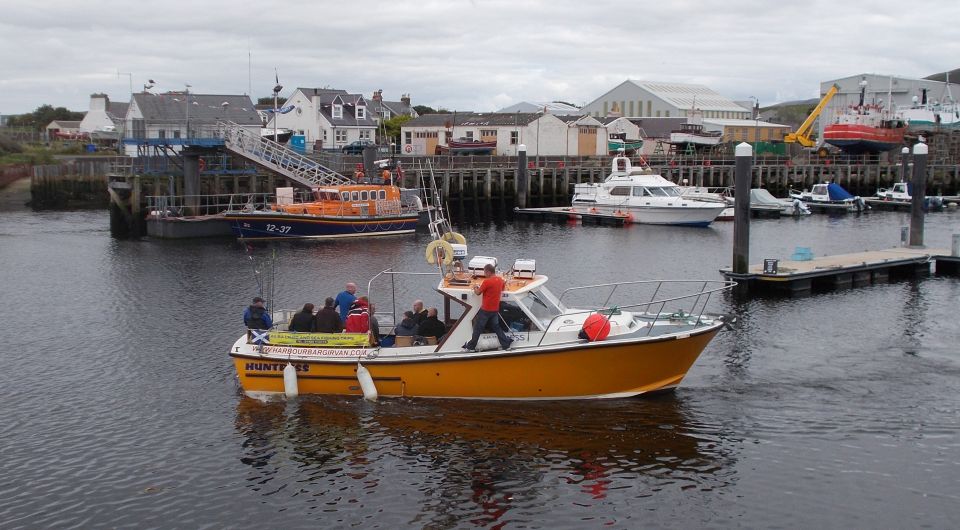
[(327, 118)]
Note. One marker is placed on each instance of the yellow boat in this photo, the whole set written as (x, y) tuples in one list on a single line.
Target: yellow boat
[(648, 348)]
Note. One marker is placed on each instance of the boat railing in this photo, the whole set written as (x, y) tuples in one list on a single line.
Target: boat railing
[(700, 299), (166, 206)]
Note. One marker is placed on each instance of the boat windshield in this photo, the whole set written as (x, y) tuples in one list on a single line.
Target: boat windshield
[(542, 306), (670, 191)]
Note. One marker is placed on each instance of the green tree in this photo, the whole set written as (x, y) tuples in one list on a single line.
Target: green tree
[(269, 101), (391, 127), (423, 109), (42, 117)]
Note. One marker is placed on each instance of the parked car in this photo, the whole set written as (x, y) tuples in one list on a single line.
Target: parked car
[(356, 147)]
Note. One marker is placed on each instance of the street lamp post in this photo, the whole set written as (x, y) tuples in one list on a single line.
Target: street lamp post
[(756, 127), (186, 95)]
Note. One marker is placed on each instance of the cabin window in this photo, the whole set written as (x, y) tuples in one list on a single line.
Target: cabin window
[(364, 196), (345, 195), (623, 191), (658, 192), (516, 318), (354, 195), (383, 195), (640, 192), (541, 307)]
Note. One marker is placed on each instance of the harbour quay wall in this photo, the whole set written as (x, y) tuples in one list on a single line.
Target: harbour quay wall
[(74, 184), (553, 186)]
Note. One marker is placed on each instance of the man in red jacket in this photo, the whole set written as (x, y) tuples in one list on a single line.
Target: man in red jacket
[(491, 288)]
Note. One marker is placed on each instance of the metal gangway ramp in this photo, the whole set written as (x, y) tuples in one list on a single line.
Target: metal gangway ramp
[(277, 157)]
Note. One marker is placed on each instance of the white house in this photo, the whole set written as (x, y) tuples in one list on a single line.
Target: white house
[(104, 118), (174, 119), (331, 117), (661, 99), (382, 109), (543, 134)]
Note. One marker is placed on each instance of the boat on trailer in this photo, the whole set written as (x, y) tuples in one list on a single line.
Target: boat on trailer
[(610, 348)]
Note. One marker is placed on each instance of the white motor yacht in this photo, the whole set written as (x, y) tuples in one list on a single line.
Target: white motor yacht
[(645, 197)]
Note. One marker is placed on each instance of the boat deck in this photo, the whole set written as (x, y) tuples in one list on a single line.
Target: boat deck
[(845, 270)]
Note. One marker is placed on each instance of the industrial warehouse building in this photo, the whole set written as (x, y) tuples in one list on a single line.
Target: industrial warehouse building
[(659, 99), (885, 89)]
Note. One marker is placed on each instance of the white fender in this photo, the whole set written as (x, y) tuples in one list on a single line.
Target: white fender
[(290, 381), (366, 383)]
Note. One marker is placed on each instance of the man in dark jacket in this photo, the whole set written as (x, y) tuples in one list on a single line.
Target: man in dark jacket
[(419, 313), (432, 327), (328, 318), (256, 316), (408, 326), (303, 321)]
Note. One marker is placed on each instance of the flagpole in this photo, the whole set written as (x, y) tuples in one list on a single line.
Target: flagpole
[(276, 77)]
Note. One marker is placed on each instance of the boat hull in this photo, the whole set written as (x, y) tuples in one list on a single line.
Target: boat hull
[(265, 226), (859, 139), (613, 369), (666, 215)]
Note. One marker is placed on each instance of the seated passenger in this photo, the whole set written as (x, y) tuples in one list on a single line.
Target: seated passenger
[(432, 327), (358, 320), (408, 326), (303, 321), (328, 318), (419, 313)]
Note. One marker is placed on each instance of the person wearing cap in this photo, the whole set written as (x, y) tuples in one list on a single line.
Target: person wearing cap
[(256, 315)]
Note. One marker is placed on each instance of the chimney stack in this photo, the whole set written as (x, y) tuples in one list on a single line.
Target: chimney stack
[(405, 99), (378, 95)]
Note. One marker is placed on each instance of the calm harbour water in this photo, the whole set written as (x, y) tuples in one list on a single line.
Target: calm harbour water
[(120, 407)]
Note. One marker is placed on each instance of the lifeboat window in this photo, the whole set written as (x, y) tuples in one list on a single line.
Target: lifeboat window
[(354, 195), (620, 190), (383, 194), (345, 195), (363, 195)]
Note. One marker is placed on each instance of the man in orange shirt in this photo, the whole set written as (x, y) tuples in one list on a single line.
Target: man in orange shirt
[(491, 288)]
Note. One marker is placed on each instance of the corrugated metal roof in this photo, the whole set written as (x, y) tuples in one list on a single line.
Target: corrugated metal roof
[(477, 119), (742, 123), (685, 96)]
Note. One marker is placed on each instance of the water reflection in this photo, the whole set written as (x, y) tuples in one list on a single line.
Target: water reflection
[(484, 462)]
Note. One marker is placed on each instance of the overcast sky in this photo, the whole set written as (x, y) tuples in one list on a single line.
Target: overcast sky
[(462, 55)]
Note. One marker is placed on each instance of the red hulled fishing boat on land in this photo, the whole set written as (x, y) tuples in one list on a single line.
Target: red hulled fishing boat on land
[(865, 128)]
